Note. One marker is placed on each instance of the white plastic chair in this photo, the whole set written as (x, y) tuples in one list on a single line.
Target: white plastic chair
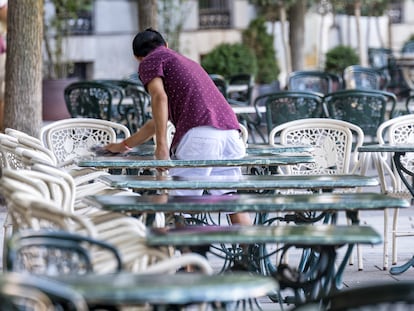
[(335, 144), (37, 199), (399, 130)]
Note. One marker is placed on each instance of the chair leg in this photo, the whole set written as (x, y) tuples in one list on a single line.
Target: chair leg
[(385, 247), (394, 236)]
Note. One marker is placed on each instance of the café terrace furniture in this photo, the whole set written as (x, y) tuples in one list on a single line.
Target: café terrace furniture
[(314, 80), (88, 99), (362, 107), (298, 208), (285, 106), (172, 292), (316, 275), (20, 291), (404, 170), (378, 296), (69, 139), (359, 77)]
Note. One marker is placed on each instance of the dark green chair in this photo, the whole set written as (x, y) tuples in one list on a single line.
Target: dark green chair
[(285, 106), (360, 77), (365, 108), (392, 80), (314, 81), (220, 82), (48, 252), (90, 99), (29, 292), (408, 47)]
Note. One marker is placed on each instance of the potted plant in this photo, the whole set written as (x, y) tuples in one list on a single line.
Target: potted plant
[(58, 25)]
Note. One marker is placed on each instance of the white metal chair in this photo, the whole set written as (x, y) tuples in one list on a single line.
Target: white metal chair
[(334, 141), (399, 130), (71, 138), (335, 144)]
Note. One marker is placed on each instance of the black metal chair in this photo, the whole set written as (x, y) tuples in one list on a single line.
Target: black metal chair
[(243, 84), (220, 82), (30, 292), (384, 296), (285, 106), (365, 108), (54, 252), (91, 99)]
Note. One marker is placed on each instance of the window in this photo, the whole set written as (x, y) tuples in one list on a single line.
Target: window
[(214, 14)]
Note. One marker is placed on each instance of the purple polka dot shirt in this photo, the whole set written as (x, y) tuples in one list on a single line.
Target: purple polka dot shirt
[(193, 98)]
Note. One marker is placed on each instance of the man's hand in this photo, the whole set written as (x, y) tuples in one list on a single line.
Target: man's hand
[(116, 148)]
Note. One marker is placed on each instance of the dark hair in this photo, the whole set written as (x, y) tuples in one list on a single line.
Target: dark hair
[(146, 41)]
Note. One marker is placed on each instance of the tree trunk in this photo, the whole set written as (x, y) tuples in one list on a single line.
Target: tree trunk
[(361, 50), (147, 14), (297, 34), (23, 97), (283, 22)]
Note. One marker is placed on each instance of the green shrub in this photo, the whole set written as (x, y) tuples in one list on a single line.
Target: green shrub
[(340, 57), (261, 43), (230, 59)]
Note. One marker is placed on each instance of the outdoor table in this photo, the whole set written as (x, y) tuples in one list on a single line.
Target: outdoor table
[(317, 274), (398, 151), (242, 182), (161, 290), (332, 203), (252, 149), (139, 162)]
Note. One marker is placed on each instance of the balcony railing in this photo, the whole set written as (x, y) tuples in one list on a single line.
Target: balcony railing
[(214, 19)]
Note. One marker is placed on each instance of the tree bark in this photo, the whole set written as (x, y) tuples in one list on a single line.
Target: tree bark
[(147, 14), (23, 96), (297, 33)]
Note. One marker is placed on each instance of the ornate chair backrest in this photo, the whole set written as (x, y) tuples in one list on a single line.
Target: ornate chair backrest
[(335, 143), (91, 99), (71, 138), (359, 77), (287, 106), (244, 96), (310, 80), (399, 130), (24, 291), (220, 82), (138, 114), (57, 252), (365, 108)]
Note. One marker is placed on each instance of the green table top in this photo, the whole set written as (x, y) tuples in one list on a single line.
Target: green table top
[(387, 148), (300, 235), (252, 149), (131, 161), (243, 182), (247, 202), (159, 289)]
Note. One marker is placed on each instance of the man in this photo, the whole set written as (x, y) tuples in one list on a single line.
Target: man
[(182, 92)]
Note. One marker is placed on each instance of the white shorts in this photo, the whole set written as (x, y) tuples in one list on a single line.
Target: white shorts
[(208, 143)]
